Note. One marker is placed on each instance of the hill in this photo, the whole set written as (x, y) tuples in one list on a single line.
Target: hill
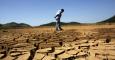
[(14, 25), (110, 20), (63, 23)]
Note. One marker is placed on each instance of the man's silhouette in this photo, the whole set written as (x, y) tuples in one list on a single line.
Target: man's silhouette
[(57, 17)]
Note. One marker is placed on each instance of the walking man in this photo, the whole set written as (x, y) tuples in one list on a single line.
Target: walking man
[(58, 17)]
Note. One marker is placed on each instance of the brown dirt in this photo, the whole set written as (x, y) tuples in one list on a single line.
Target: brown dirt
[(44, 43)]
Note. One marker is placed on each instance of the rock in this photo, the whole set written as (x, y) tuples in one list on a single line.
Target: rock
[(1, 56), (111, 57), (45, 50), (56, 53), (85, 46), (64, 48), (15, 54), (81, 54), (64, 56), (48, 58), (9, 58), (24, 56), (108, 39), (73, 52), (38, 56)]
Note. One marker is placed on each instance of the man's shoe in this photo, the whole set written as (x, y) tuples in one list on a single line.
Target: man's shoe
[(61, 29)]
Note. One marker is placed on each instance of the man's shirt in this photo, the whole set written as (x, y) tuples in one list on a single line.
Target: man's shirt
[(58, 15), (58, 12)]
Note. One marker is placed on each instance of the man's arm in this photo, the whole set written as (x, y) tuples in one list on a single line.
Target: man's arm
[(56, 16)]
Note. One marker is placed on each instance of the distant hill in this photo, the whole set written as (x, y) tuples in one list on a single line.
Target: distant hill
[(14, 25), (62, 23), (110, 20)]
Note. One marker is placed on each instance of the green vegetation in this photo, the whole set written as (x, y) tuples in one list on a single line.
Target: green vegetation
[(14, 25), (63, 23), (110, 20)]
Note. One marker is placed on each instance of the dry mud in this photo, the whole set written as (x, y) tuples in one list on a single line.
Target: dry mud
[(73, 43)]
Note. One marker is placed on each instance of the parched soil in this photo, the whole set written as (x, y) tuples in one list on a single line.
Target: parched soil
[(44, 43)]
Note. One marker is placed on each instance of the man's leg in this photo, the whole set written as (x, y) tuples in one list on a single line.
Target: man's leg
[(59, 25), (56, 26)]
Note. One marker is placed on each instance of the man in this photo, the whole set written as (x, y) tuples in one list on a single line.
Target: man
[(57, 17)]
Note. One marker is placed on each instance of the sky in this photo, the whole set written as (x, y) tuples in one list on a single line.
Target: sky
[(37, 12)]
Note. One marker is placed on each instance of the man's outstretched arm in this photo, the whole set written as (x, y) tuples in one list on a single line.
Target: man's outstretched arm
[(56, 16)]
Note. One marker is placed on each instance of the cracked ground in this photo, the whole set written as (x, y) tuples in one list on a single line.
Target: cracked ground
[(95, 42)]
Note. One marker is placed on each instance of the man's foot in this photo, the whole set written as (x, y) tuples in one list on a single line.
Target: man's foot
[(61, 29)]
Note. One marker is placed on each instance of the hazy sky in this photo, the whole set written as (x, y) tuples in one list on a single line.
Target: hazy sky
[(37, 12)]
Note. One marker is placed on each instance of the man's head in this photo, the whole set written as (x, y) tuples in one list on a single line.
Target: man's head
[(62, 10)]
